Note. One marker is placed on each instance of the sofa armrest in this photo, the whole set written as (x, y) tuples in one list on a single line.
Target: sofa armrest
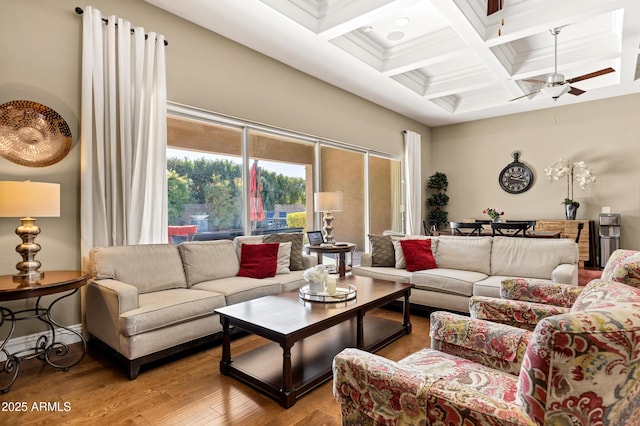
[(515, 313), (104, 301), (366, 259), (495, 345), (309, 261), (531, 290), (380, 387), (566, 273), (122, 297)]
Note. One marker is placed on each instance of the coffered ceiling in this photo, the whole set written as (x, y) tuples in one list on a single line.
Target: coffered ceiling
[(439, 61)]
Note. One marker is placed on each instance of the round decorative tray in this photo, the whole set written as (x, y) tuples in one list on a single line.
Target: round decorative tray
[(342, 294)]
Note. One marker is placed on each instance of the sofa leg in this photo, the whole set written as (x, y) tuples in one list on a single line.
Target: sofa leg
[(134, 369)]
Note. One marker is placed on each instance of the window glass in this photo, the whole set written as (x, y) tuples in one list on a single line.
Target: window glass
[(281, 183), (204, 176)]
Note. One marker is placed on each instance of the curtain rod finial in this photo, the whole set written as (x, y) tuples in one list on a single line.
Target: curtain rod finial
[(79, 10)]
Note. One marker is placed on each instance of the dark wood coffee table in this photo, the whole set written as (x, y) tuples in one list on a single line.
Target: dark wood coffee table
[(306, 336)]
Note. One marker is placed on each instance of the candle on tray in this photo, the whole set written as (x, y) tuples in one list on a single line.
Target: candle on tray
[(331, 285)]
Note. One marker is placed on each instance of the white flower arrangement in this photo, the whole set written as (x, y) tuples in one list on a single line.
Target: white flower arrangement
[(316, 274), (578, 171)]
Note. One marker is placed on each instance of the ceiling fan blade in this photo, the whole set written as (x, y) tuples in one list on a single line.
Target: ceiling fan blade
[(525, 96), (591, 75), (530, 80), (575, 91), (493, 6)]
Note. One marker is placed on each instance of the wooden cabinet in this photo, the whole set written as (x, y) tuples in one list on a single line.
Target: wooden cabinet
[(569, 229)]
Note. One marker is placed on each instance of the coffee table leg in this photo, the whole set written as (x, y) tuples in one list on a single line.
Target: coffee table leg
[(360, 330), (225, 362), (288, 399), (406, 310)]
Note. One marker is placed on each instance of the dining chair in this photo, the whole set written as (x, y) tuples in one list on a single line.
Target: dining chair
[(465, 228), (531, 223), (509, 229), (580, 226)]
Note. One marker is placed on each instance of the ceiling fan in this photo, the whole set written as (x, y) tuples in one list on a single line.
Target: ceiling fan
[(555, 84)]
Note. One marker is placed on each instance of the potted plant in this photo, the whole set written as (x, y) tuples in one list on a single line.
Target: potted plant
[(438, 184), (577, 171)]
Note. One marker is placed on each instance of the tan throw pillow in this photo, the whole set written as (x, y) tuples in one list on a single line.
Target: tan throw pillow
[(382, 252), (284, 258), (246, 239), (295, 262)]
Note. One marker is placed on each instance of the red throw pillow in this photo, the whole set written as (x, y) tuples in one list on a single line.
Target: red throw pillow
[(259, 260), (418, 255)]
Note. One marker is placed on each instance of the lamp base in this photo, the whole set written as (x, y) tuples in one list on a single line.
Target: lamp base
[(28, 268), (328, 228)]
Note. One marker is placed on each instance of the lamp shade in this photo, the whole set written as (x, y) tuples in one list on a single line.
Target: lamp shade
[(328, 201), (29, 199)]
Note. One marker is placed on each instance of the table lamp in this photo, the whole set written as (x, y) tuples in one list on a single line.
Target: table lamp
[(328, 202), (25, 200)]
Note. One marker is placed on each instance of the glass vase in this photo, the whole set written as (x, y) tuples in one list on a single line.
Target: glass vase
[(316, 287)]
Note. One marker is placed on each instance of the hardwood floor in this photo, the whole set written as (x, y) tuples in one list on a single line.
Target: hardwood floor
[(186, 391)]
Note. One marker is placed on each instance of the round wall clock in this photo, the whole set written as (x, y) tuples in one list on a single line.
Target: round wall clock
[(516, 178)]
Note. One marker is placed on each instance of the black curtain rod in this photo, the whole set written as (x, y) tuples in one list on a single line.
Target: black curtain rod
[(79, 11)]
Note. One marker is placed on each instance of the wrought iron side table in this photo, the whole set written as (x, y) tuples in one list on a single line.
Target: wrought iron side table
[(47, 348)]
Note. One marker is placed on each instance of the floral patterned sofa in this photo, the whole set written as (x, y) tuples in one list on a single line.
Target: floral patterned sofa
[(581, 367)]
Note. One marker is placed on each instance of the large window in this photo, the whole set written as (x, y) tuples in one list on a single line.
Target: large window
[(228, 178)]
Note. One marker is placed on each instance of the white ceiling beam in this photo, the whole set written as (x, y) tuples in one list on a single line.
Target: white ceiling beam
[(359, 14), (461, 25)]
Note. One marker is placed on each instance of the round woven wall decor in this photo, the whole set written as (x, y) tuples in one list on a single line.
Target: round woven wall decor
[(32, 134)]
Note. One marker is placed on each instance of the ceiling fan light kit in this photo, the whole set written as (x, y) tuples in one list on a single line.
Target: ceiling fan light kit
[(554, 84)]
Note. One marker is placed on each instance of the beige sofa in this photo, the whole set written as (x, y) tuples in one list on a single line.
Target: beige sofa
[(146, 302), (468, 266)]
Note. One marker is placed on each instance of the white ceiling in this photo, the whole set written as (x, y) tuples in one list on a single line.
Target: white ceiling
[(448, 64)]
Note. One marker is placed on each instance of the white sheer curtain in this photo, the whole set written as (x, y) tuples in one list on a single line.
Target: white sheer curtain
[(123, 135), (413, 183)]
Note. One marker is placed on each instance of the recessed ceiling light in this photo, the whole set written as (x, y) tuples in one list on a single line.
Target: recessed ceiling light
[(367, 29), (395, 35), (401, 22)]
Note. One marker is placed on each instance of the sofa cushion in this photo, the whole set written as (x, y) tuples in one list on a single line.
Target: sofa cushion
[(149, 267), (531, 257), (259, 260), (209, 260), (382, 252), (389, 273), (418, 255), (295, 262), (453, 281), (465, 253), (165, 308), (291, 281), (241, 289)]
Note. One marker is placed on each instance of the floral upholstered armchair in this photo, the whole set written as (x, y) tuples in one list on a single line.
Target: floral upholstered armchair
[(577, 368), (524, 302)]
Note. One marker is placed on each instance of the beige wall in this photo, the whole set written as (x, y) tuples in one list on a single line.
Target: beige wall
[(605, 134), (40, 41)]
